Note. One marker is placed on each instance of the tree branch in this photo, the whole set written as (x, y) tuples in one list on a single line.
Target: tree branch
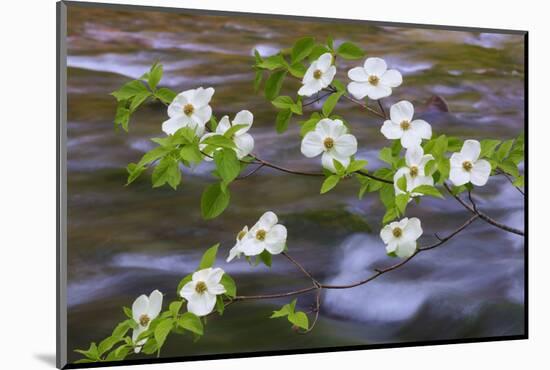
[(483, 216)]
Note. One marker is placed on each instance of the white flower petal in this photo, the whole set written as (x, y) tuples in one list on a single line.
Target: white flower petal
[(324, 62), (470, 150), (216, 289), (201, 304), (251, 246), (358, 74), (172, 125), (375, 66), (311, 87), (391, 78), (276, 239), (175, 109), (234, 252), (410, 138), (424, 161), (328, 158), (202, 97), (402, 111), (386, 234), (406, 249), (244, 117), (328, 76), (214, 276), (223, 125), (459, 176), (267, 221), (421, 128), (202, 115), (312, 144), (139, 307), (413, 230), (359, 89), (456, 160), (480, 172), (188, 290), (345, 145), (308, 76), (391, 130), (202, 275), (379, 91), (244, 144), (392, 246), (403, 171), (155, 304), (421, 180), (413, 155)]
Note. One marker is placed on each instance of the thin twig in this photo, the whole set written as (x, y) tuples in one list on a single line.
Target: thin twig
[(382, 108), (301, 267), (320, 97), (511, 182), (483, 215)]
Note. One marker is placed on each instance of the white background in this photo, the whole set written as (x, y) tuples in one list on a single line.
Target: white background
[(27, 186)]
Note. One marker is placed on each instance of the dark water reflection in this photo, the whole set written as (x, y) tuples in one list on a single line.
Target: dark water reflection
[(125, 241)]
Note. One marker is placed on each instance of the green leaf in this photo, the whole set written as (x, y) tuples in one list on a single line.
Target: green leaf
[(503, 150), (330, 103), (162, 330), (155, 75), (108, 343), (266, 258), (357, 165), (519, 182), (329, 183), (317, 51), (386, 155), (133, 172), (227, 164), (297, 70), (302, 48), (258, 79), (121, 329), (166, 171), (282, 120), (219, 141), (488, 148), (138, 100), (340, 169), (209, 257), (285, 310), (390, 215), (214, 201), (175, 307), (129, 90), (233, 130), (182, 282), (283, 102), (153, 155), (220, 306), (387, 195), (273, 84), (191, 153), (440, 146), (122, 116), (272, 62), (165, 95), (310, 124), (402, 183), (509, 167), (428, 190), (191, 322), (348, 50), (401, 202), (299, 319), (229, 285)]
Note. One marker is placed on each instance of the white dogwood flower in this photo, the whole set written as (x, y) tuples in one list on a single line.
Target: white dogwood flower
[(400, 236), (244, 142), (236, 250), (144, 310), (466, 167), (202, 290), (266, 234), (318, 76), (414, 172), (402, 126), (374, 79), (189, 109), (330, 137)]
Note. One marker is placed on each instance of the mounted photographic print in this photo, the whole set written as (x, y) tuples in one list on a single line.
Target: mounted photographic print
[(234, 185)]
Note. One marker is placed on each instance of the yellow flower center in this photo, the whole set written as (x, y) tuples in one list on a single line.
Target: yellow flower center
[(201, 287), (260, 235), (188, 109), (405, 125), (144, 320), (373, 80), (241, 235), (467, 165), (397, 232), (317, 74), (414, 171), (329, 143)]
